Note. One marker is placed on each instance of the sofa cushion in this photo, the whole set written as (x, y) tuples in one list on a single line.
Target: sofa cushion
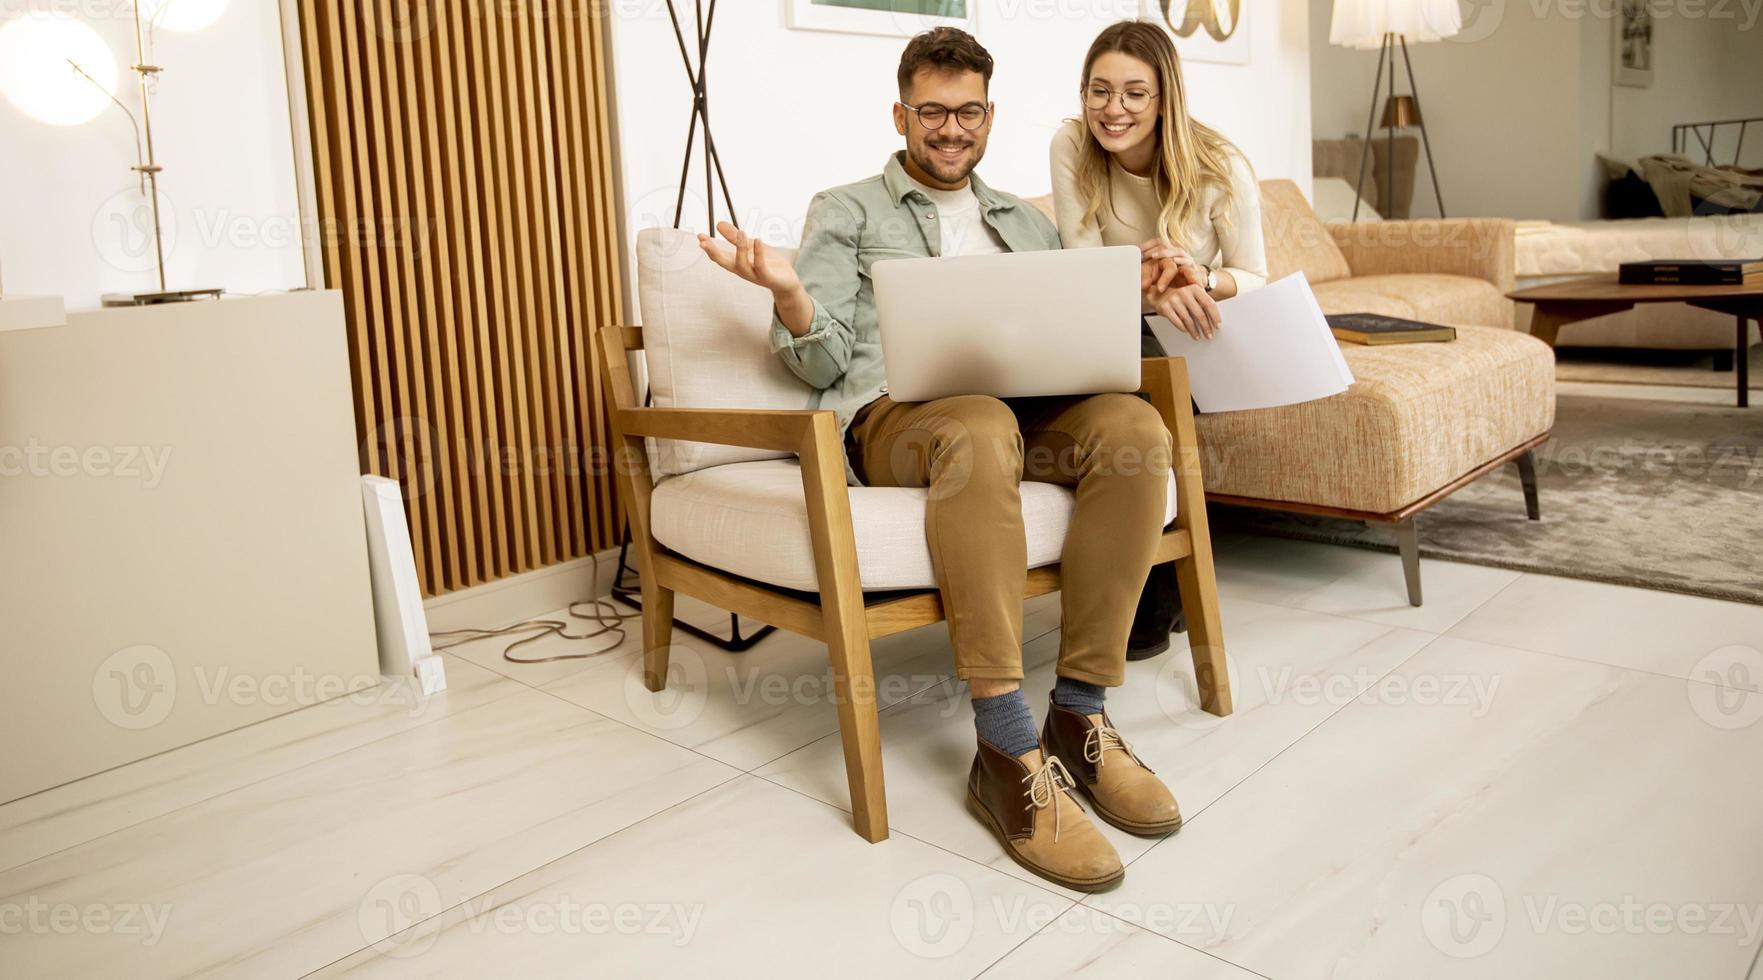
[(1417, 417), (706, 343), (1296, 238), (751, 519), (1428, 297)]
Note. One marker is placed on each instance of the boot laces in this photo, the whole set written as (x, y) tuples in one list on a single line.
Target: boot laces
[(1044, 786), (1102, 738)]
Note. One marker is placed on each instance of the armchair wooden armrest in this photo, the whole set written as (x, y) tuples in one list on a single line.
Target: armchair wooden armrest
[(781, 430)]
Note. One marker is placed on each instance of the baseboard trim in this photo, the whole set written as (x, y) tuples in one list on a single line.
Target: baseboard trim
[(522, 597)]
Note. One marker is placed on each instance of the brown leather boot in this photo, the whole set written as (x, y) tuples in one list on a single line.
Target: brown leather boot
[(1124, 791), (1025, 803)]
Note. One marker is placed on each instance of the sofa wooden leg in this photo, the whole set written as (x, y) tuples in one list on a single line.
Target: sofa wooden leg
[(657, 633), (1408, 542), (1527, 475)]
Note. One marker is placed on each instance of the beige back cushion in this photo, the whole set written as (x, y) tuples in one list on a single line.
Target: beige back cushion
[(1296, 239), (706, 343)]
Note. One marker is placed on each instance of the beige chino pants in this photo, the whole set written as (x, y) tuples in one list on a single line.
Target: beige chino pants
[(972, 452)]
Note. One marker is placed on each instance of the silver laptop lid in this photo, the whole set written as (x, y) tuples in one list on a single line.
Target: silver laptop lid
[(1011, 325)]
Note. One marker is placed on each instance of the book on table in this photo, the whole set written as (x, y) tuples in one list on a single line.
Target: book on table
[(1374, 329), (1692, 272)]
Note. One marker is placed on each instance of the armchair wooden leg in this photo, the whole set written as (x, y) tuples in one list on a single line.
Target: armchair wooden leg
[(1165, 380), (845, 624), (1199, 599), (657, 633), (859, 728)]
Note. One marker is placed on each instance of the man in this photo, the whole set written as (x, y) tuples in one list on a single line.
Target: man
[(972, 452)]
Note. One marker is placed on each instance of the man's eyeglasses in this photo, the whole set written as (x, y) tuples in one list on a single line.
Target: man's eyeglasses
[(932, 115), (1097, 97)]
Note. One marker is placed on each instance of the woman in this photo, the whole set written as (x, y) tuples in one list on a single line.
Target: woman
[(1136, 169)]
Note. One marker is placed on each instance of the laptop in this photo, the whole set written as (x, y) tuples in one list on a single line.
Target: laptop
[(1012, 325)]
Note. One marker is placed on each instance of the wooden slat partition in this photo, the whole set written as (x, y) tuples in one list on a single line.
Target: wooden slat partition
[(466, 206)]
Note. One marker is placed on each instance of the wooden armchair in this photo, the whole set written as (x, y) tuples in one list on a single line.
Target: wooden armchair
[(842, 618)]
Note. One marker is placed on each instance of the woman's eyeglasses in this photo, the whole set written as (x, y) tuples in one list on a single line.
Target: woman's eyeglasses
[(932, 115), (1097, 97)]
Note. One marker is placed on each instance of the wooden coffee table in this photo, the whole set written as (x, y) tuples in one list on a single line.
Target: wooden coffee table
[(1561, 303)]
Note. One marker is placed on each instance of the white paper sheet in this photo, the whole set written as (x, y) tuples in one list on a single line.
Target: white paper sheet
[(1273, 347)]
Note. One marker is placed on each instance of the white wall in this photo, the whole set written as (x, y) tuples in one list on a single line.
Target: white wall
[(798, 111), (1707, 68), (1518, 105), (72, 219)]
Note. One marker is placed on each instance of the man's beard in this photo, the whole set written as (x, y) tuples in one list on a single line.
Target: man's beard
[(943, 170)]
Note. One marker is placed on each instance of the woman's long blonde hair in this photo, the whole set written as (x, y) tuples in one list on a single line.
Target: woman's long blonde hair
[(1191, 156)]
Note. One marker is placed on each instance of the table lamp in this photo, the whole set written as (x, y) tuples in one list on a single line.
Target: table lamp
[(1388, 25), (57, 70)]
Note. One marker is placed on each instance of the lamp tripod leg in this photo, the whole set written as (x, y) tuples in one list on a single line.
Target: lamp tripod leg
[(1365, 151), (1425, 143)]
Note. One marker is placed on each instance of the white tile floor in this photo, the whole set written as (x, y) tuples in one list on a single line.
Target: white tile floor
[(1528, 777)]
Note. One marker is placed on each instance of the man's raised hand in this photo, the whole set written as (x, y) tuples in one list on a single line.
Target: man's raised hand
[(748, 258)]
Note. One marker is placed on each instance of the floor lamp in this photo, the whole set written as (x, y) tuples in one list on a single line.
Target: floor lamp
[(58, 70), (1388, 26)]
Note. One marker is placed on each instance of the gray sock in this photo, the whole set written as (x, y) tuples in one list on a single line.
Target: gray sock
[(1080, 696), (1006, 722)]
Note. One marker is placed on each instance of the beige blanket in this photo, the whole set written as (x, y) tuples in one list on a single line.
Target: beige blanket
[(1675, 180)]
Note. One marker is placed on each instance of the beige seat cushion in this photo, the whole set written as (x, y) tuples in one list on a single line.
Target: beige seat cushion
[(1429, 297), (750, 519), (1418, 417)]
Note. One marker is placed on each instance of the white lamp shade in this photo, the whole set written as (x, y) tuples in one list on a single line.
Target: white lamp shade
[(1363, 23), (35, 75), (181, 15)]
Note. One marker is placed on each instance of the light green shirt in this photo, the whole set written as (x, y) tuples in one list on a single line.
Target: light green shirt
[(848, 230)]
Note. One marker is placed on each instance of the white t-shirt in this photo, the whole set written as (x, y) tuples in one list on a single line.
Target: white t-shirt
[(962, 223)]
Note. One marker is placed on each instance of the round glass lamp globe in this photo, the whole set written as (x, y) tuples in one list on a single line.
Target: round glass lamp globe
[(35, 74), (181, 15)]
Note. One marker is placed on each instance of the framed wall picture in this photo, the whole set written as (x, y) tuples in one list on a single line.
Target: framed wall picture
[(890, 18), (1205, 30), (1634, 44)]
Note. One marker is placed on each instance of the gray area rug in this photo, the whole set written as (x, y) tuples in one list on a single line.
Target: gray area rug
[(1656, 494)]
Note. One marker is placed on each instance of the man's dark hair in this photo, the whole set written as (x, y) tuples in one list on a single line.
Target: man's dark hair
[(945, 49)]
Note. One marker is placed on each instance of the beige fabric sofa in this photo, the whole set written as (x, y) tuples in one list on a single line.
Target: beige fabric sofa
[(1420, 420)]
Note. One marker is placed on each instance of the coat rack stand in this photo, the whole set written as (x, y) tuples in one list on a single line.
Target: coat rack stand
[(629, 594)]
